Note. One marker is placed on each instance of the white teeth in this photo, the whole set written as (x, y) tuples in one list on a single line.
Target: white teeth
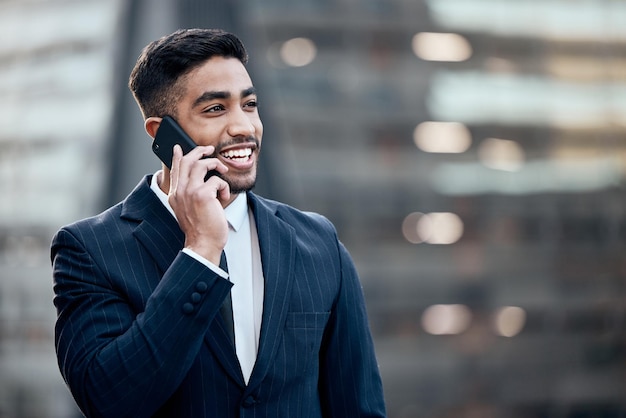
[(238, 153)]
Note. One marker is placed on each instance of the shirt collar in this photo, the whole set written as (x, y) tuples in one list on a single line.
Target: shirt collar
[(236, 212)]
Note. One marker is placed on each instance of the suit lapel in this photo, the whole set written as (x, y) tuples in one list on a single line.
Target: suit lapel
[(220, 344), (159, 233), (278, 250), (157, 230)]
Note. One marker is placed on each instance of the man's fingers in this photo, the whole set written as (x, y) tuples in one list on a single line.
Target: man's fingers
[(177, 155), (188, 176), (201, 151), (222, 191)]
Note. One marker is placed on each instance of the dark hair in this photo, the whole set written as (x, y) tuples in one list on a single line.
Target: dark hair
[(164, 62)]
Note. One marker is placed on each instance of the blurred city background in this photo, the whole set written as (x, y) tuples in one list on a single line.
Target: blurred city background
[(472, 154)]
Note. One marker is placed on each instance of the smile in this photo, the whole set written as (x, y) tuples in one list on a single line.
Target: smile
[(238, 155)]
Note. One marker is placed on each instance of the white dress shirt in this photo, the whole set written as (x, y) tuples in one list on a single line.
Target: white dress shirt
[(244, 271)]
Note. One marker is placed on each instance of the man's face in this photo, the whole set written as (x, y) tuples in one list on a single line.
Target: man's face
[(219, 108)]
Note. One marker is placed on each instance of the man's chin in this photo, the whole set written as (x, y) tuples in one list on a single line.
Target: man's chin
[(241, 187)]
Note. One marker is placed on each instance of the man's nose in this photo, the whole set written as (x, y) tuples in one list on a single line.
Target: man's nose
[(239, 124)]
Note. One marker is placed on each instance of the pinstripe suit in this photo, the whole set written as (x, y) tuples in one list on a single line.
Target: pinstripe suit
[(139, 331)]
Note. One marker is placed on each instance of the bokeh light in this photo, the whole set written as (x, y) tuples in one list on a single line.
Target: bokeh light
[(442, 137), (509, 321), (501, 154), (433, 228), (446, 319), (298, 52), (409, 228), (451, 47), (440, 228)]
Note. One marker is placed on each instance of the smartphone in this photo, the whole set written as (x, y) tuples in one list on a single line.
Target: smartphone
[(169, 134)]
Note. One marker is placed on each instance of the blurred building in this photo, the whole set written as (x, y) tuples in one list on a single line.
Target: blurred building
[(471, 153)]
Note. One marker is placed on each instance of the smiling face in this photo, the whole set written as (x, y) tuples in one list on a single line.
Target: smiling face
[(218, 107)]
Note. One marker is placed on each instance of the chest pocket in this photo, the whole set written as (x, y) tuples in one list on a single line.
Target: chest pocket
[(307, 320), (302, 338)]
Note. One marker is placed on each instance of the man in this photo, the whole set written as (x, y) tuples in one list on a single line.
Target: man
[(140, 289)]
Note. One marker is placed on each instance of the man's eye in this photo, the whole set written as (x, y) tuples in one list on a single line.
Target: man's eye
[(252, 103), (213, 109)]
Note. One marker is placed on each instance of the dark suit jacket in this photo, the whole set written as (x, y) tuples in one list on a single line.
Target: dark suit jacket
[(139, 331)]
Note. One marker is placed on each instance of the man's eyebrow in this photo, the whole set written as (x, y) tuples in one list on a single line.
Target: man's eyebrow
[(248, 92), (207, 96)]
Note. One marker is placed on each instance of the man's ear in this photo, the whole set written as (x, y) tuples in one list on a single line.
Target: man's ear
[(151, 125)]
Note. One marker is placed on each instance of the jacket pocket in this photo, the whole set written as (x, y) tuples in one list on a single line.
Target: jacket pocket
[(307, 320), (302, 340)]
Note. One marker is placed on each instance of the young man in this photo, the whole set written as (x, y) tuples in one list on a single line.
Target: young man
[(140, 289)]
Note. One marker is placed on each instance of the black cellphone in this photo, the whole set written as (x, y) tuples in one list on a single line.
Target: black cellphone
[(169, 134)]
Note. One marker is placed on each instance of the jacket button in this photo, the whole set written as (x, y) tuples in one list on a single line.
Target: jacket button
[(202, 287), (249, 401), (196, 297), (188, 308)]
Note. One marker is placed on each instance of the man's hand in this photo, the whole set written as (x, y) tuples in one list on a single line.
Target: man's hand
[(199, 205)]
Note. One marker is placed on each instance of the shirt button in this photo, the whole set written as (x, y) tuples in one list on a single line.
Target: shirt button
[(188, 308), (201, 287), (195, 297)]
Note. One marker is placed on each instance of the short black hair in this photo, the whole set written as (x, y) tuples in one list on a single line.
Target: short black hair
[(164, 62)]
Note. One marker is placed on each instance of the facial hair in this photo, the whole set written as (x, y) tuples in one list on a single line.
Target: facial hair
[(245, 185)]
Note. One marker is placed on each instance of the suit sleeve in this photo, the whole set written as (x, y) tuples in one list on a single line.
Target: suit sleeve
[(118, 362), (350, 383)]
